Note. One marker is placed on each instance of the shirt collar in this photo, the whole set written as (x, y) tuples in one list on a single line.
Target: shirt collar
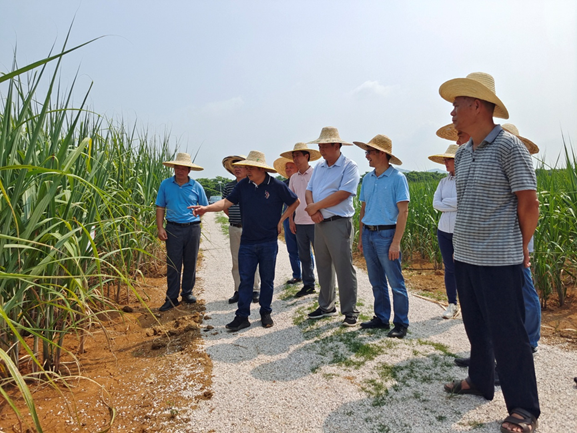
[(190, 181), (308, 170), (387, 172), (339, 161), (266, 180), (488, 139)]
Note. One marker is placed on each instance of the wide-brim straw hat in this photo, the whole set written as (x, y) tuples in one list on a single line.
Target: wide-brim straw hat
[(302, 147), (449, 153), (330, 134), (256, 159), (478, 85), (382, 143), (531, 147), (280, 166), (229, 160), (184, 160), (448, 132)]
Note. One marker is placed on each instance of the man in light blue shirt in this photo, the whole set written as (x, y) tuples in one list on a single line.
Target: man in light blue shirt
[(182, 232), (329, 198), (384, 212)]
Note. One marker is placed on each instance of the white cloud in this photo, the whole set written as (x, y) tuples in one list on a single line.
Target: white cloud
[(373, 87), (219, 107)]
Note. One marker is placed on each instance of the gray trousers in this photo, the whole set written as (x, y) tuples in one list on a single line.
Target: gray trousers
[(333, 253), (234, 234), (306, 238)]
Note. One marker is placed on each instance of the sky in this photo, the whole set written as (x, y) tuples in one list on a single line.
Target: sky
[(227, 77)]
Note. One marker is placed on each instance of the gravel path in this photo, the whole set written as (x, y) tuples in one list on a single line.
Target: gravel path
[(321, 377)]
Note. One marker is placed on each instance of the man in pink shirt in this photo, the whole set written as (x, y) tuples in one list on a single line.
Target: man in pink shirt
[(301, 223)]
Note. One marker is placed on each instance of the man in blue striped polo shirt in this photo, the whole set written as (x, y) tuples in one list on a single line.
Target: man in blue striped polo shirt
[(182, 231), (497, 214)]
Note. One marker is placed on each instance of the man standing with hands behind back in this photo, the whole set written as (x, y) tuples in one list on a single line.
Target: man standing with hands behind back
[(329, 199), (182, 232)]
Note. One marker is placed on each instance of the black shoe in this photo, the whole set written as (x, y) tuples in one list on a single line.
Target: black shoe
[(496, 379), (294, 280), (266, 320), (255, 297), (375, 323), (463, 362), (318, 313), (306, 290), (350, 321), (234, 298), (575, 379), (169, 305), (189, 299), (238, 323), (397, 332)]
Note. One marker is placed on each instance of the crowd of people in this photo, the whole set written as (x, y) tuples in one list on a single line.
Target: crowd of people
[(489, 212)]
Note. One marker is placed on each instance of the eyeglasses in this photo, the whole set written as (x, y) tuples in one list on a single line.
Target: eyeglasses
[(368, 152)]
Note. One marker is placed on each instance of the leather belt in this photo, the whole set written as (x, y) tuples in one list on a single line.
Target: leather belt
[(183, 224), (336, 217), (379, 228), (239, 226)]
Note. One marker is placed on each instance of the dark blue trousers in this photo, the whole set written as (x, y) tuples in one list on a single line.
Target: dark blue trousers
[(292, 248), (446, 246), (493, 310), (181, 254)]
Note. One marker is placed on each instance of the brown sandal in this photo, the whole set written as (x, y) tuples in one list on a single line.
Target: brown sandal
[(456, 388), (528, 423)]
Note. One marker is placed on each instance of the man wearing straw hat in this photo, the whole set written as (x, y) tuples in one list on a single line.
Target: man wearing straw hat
[(329, 199), (235, 226), (287, 168), (261, 198), (383, 218), (302, 224), (498, 214), (530, 295), (182, 232)]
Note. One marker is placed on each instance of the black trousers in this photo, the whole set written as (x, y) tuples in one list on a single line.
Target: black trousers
[(493, 311), (181, 254)]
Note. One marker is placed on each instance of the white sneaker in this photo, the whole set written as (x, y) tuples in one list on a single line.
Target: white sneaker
[(451, 311)]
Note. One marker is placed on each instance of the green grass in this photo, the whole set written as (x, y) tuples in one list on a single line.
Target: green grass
[(222, 219)]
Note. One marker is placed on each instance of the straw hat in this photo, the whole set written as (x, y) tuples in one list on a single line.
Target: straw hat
[(302, 147), (255, 159), (330, 134), (477, 85), (383, 143), (184, 160), (229, 160), (449, 153), (280, 166), (448, 132), (531, 147)]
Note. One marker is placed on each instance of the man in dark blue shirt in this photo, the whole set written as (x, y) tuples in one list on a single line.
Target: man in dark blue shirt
[(182, 233), (261, 198)]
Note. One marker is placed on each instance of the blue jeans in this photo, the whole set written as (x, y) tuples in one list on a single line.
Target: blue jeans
[(532, 309), (380, 269), (446, 245), (293, 249), (249, 256)]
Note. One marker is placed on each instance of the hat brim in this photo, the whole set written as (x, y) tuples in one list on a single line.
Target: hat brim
[(229, 160), (440, 159), (448, 132), (531, 147), (192, 166), (255, 164), (323, 140), (467, 87), (280, 166), (315, 154), (366, 146)]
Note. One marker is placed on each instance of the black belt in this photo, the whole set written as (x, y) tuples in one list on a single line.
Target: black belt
[(183, 224), (239, 226), (336, 217), (378, 228)]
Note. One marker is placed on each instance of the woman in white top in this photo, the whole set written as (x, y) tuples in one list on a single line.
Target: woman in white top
[(445, 201)]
